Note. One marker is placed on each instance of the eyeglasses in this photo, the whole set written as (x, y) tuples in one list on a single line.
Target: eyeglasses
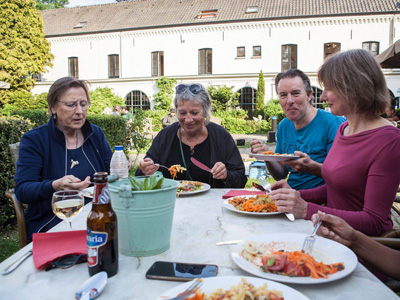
[(67, 261), (73, 105), (193, 88)]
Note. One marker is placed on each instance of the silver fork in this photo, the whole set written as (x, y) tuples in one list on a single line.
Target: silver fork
[(197, 283), (162, 166), (265, 184), (310, 240)]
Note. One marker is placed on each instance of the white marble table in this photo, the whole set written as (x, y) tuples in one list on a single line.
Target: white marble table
[(199, 222)]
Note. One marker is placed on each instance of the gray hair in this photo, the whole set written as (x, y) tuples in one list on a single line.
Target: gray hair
[(203, 98)]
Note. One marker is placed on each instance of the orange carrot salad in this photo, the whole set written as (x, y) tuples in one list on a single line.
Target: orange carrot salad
[(259, 203), (174, 169), (298, 264)]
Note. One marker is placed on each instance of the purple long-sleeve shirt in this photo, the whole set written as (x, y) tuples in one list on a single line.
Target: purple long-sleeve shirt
[(362, 174)]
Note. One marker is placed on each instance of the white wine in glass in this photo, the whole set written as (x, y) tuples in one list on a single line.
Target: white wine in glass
[(67, 204)]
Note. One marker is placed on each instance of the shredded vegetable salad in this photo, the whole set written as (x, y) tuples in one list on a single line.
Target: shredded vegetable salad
[(243, 290), (190, 186), (288, 263), (258, 203)]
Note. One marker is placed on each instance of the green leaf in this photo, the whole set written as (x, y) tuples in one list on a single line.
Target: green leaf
[(136, 184), (159, 184), (146, 184), (153, 182)]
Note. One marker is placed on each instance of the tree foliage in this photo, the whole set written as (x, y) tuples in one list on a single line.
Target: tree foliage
[(163, 98), (103, 97), (223, 98), (50, 4), (24, 51), (260, 95)]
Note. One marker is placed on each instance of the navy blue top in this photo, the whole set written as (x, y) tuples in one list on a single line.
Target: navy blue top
[(43, 158)]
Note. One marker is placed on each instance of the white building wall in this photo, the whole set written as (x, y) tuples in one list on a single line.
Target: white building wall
[(181, 45)]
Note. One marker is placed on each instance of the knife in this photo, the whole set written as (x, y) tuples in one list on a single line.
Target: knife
[(200, 165), (16, 263), (228, 242)]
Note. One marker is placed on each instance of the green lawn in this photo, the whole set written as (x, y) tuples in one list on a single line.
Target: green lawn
[(9, 242)]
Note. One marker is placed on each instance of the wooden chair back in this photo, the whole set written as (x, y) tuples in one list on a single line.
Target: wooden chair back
[(19, 208)]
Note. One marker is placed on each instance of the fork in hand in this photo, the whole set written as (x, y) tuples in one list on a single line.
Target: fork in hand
[(162, 166), (267, 187), (310, 240), (197, 283)]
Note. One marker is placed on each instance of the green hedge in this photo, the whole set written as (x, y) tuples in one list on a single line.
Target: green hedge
[(114, 127), (11, 131)]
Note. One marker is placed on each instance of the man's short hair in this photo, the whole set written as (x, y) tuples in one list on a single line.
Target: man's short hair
[(292, 73)]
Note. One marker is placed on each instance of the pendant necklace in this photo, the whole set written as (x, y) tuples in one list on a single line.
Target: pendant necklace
[(75, 162)]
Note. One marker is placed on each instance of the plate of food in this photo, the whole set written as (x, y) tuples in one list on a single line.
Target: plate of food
[(88, 192), (278, 257), (192, 187), (271, 156), (231, 285), (257, 205)]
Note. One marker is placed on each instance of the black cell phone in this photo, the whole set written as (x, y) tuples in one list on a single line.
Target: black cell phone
[(166, 270)]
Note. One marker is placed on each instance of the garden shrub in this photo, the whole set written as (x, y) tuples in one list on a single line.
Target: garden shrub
[(37, 116), (156, 116), (273, 108), (11, 131)]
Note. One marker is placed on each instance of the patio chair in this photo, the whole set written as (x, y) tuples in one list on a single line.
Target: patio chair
[(19, 208)]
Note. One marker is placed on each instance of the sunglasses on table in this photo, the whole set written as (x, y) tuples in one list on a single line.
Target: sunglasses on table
[(193, 88), (67, 261)]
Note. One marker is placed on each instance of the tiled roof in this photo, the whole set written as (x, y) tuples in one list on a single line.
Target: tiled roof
[(139, 14)]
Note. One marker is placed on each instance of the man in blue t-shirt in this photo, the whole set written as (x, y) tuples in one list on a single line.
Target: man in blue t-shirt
[(306, 131)]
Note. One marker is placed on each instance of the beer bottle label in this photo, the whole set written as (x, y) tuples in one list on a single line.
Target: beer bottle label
[(95, 240), (101, 194)]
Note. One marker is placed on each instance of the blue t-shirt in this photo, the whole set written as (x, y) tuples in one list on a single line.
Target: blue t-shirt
[(315, 139)]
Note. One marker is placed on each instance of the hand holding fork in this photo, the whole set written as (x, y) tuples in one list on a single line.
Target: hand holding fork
[(310, 240)]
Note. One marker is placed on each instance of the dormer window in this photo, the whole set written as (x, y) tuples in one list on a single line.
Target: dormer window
[(252, 9), (206, 14), (80, 24)]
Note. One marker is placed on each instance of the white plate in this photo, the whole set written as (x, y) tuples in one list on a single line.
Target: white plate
[(324, 250), (229, 206), (88, 192), (273, 157), (205, 188), (225, 282)]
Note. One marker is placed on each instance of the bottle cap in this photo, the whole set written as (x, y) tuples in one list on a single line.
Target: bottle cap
[(116, 148)]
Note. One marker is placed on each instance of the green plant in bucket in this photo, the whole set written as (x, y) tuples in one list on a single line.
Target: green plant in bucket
[(149, 183)]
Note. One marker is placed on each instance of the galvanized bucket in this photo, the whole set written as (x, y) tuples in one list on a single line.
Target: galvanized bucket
[(144, 217)]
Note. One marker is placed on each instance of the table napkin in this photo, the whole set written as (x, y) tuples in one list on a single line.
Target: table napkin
[(48, 246), (234, 193)]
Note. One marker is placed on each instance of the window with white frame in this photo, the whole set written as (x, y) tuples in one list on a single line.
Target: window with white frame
[(205, 61), (113, 66), (157, 63), (289, 57), (372, 47), (241, 52), (73, 67)]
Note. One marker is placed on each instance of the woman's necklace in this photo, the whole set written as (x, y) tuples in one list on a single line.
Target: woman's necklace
[(192, 144), (74, 161)]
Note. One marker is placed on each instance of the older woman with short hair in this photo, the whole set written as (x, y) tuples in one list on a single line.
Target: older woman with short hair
[(362, 169), (194, 136), (60, 155)]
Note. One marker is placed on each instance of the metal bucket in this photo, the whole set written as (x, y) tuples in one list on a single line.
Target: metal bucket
[(144, 217)]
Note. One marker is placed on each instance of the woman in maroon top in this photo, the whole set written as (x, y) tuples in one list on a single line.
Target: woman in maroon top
[(362, 169)]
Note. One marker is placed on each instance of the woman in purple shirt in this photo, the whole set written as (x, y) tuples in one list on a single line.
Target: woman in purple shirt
[(362, 169)]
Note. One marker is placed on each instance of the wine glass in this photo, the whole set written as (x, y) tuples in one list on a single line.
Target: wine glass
[(67, 204)]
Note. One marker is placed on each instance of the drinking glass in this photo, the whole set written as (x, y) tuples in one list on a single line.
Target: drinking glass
[(67, 204)]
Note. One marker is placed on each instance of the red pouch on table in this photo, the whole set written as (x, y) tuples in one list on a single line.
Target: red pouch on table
[(48, 246), (235, 193)]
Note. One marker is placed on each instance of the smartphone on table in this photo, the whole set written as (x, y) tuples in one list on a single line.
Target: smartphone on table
[(166, 270)]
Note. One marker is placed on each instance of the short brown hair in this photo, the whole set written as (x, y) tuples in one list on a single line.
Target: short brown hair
[(60, 86), (357, 77)]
